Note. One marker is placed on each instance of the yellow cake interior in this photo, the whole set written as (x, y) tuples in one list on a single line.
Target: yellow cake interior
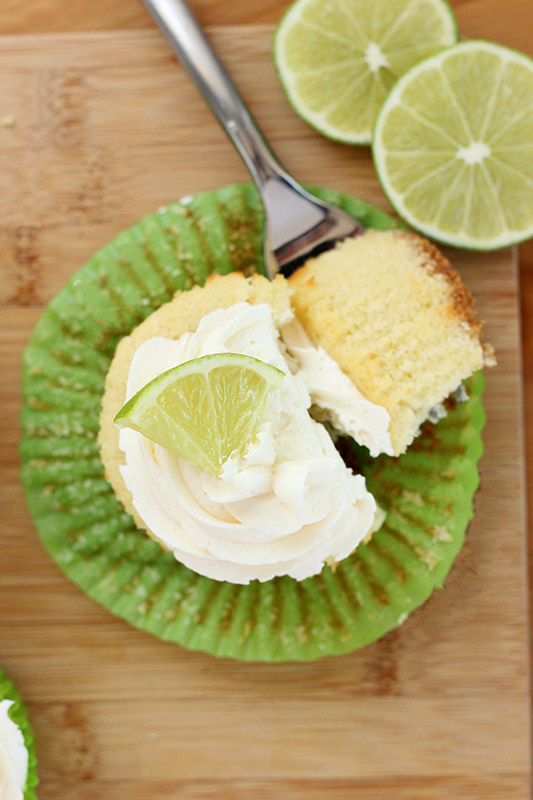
[(395, 315)]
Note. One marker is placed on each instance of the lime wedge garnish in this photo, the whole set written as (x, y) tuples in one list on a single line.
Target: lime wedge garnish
[(205, 409), (338, 60), (453, 146)]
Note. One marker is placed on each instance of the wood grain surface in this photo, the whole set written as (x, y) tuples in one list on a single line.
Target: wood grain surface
[(107, 128)]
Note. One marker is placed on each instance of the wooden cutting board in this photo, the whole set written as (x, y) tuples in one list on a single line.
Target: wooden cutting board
[(106, 129)]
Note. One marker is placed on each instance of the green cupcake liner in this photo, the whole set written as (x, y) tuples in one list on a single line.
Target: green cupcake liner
[(427, 493), (19, 714)]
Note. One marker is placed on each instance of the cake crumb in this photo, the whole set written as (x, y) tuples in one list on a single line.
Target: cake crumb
[(428, 557), (7, 121), (302, 634), (440, 533), (412, 497)]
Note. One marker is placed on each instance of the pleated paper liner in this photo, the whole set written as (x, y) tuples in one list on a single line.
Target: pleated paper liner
[(19, 714), (427, 493)]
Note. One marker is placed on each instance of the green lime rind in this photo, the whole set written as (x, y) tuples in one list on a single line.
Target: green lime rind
[(19, 714), (221, 426), (427, 492)]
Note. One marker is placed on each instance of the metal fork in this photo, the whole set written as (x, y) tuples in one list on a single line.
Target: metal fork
[(297, 224)]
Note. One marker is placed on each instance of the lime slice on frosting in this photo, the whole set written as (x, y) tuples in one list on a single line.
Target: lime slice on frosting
[(204, 410), (453, 146), (338, 60)]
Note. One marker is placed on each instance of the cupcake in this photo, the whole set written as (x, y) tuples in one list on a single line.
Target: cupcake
[(18, 776), (109, 311), (290, 505)]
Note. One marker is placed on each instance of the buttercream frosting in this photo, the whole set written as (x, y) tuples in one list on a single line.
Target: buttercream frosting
[(285, 508), (13, 756)]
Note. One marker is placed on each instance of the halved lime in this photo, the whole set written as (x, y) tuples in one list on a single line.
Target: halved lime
[(453, 146), (338, 60), (205, 409)]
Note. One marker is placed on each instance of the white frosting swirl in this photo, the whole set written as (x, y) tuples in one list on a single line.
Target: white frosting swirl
[(13, 756), (285, 508)]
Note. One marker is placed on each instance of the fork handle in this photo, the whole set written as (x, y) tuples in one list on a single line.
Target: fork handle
[(193, 50)]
